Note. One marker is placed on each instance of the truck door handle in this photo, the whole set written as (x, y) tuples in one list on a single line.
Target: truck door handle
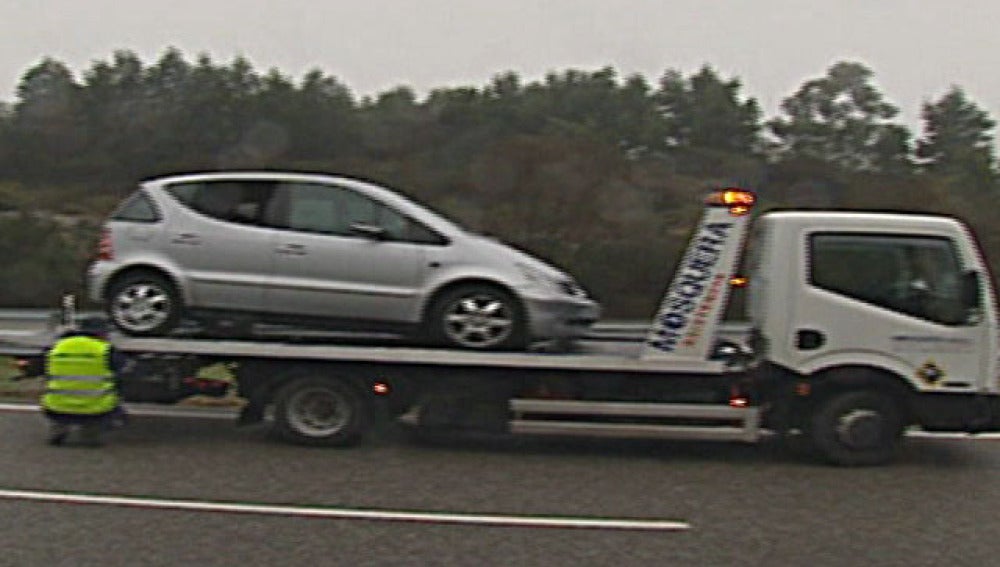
[(292, 249), (809, 339), (189, 238)]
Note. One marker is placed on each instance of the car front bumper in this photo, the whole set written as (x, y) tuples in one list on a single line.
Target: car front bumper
[(560, 318)]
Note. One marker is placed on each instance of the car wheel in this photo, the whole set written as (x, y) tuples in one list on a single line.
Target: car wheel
[(858, 428), (319, 411), (478, 317), (143, 304)]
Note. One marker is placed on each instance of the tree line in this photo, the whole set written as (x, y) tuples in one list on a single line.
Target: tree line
[(598, 172)]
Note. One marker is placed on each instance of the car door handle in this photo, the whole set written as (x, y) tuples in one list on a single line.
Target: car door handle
[(186, 238), (292, 249)]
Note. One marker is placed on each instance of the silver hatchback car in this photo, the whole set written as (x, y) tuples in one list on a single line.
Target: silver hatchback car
[(321, 250)]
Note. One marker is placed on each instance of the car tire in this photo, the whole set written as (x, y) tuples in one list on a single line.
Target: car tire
[(320, 412), (478, 317), (857, 428), (143, 304)]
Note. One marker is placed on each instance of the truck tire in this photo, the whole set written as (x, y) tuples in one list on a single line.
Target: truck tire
[(857, 428), (478, 317), (143, 304), (320, 412)]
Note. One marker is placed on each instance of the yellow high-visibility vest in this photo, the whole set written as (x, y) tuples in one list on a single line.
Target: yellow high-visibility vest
[(80, 380)]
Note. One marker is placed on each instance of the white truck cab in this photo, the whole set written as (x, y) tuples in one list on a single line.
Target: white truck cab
[(900, 298)]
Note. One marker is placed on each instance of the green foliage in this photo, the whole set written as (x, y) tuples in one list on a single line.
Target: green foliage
[(43, 257), (957, 140), (842, 119), (705, 112)]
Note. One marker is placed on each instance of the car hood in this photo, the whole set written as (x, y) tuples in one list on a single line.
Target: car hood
[(501, 251)]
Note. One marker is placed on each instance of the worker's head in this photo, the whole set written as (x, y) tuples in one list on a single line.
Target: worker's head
[(94, 327)]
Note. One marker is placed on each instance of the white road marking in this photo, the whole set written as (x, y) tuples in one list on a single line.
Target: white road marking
[(352, 513)]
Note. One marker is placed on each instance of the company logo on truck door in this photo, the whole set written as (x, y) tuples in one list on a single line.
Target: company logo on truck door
[(684, 312)]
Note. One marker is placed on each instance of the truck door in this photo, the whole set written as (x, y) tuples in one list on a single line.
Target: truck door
[(889, 299)]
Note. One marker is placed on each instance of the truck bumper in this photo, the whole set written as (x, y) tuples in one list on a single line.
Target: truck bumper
[(969, 413), (990, 417)]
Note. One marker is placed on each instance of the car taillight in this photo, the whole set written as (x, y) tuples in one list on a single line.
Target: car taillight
[(104, 248)]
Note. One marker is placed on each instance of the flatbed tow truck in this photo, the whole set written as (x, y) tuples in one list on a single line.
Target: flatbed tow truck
[(860, 325)]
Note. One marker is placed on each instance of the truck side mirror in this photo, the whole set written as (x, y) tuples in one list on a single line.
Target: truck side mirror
[(971, 295)]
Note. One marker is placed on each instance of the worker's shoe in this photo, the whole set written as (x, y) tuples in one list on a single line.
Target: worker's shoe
[(58, 432)]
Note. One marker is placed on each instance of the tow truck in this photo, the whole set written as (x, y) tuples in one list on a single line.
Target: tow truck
[(860, 325)]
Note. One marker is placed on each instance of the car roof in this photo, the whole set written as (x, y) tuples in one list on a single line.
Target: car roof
[(384, 194)]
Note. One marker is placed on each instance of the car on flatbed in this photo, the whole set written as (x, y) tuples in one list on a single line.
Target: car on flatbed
[(336, 252)]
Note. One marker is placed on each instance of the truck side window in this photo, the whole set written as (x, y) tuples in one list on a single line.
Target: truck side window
[(917, 276)]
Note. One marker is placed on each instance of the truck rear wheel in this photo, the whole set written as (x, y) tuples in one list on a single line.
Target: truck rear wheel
[(320, 412), (858, 428)]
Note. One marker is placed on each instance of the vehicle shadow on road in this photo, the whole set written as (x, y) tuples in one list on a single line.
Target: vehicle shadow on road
[(777, 451)]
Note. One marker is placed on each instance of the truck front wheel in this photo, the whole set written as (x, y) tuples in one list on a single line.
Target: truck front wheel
[(321, 412), (859, 428)]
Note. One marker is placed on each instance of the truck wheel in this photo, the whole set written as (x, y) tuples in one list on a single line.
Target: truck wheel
[(143, 304), (478, 317), (321, 412), (860, 428)]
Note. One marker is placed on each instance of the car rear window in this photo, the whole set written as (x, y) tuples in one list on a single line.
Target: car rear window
[(138, 207)]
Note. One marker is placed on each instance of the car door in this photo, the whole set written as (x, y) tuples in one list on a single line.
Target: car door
[(220, 243), (344, 255)]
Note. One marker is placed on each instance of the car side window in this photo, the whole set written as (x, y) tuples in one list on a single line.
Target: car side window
[(243, 202), (328, 209), (917, 276), (313, 208), (138, 207), (404, 229)]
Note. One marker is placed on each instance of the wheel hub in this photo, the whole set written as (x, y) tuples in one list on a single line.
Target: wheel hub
[(141, 307), (861, 428), (478, 322), (318, 413)]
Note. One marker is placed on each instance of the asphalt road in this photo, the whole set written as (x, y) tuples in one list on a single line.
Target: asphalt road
[(735, 504)]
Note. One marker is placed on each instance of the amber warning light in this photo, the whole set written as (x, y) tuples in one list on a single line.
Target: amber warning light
[(739, 201)]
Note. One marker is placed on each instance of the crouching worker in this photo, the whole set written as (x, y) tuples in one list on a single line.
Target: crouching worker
[(80, 389)]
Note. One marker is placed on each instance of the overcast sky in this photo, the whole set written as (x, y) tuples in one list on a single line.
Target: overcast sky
[(917, 48)]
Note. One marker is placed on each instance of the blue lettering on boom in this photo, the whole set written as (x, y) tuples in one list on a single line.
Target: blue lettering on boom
[(688, 286)]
